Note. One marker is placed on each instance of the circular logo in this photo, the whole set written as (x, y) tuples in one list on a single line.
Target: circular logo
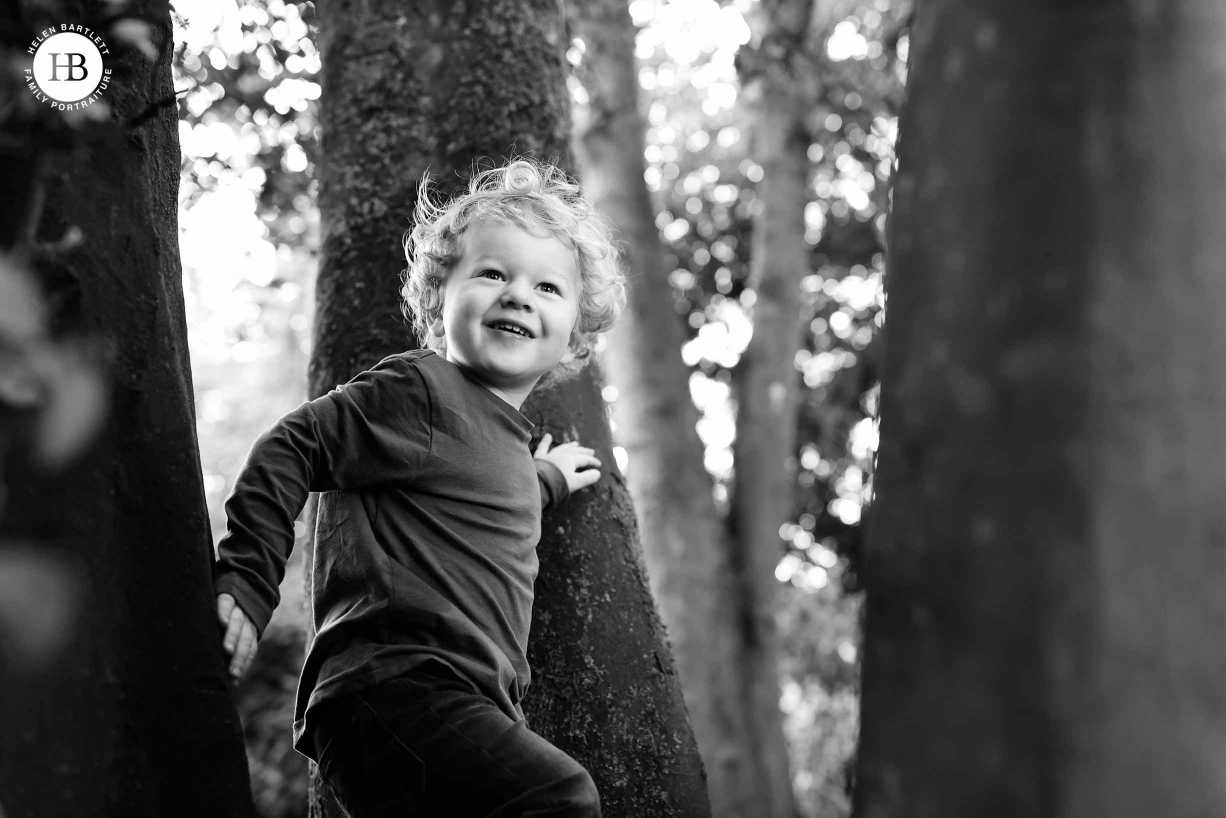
[(68, 71)]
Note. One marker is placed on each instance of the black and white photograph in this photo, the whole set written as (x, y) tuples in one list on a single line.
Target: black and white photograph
[(623, 408)]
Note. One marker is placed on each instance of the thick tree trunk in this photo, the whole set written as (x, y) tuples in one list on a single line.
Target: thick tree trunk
[(435, 86), (138, 719), (1046, 547), (684, 540)]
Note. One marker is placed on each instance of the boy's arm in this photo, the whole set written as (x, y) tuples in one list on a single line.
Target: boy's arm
[(374, 429), (268, 495), (553, 483), (564, 469)]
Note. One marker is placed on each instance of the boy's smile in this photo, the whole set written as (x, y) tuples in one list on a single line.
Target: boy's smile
[(510, 304)]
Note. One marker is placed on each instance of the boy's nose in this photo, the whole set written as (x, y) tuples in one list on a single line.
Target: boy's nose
[(516, 293)]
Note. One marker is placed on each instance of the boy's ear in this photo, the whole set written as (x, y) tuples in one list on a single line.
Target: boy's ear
[(436, 327)]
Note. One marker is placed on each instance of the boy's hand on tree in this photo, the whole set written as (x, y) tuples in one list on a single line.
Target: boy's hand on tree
[(239, 640), (577, 463)]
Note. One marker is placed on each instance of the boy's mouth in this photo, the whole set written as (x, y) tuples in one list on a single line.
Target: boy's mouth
[(512, 327)]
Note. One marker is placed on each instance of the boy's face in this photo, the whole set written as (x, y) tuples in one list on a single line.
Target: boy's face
[(509, 306)]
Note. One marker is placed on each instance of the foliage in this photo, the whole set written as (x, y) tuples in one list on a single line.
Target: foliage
[(249, 131), (820, 635), (703, 174), (249, 118)]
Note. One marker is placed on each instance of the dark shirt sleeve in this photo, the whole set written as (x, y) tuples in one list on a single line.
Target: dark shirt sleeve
[(553, 483), (374, 429)]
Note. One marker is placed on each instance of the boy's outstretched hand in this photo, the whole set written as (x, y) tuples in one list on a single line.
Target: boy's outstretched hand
[(577, 463), (239, 641)]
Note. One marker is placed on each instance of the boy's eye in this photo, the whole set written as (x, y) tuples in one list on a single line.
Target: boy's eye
[(550, 288), (491, 274)]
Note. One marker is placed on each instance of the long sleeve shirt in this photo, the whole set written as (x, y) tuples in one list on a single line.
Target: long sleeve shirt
[(426, 533)]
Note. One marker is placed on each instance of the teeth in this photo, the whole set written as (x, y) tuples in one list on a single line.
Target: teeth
[(512, 328)]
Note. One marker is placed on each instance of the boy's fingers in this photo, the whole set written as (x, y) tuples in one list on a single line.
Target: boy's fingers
[(582, 462), (543, 447), (234, 631), (246, 639), (225, 604), (583, 479), (252, 646), (244, 651)]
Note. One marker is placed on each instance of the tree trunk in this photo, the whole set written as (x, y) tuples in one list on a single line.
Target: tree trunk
[(768, 397), (768, 384), (1046, 547), (138, 718), (685, 542), (433, 86)]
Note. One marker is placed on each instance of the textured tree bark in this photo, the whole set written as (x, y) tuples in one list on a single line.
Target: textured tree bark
[(138, 719), (1046, 547), (684, 540), (437, 86)]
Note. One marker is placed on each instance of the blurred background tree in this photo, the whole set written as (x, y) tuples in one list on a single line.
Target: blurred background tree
[(249, 72), (113, 691), (1045, 609)]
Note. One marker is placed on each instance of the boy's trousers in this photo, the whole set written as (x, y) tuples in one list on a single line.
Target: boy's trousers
[(428, 745)]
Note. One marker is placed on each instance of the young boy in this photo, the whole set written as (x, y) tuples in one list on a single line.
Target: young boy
[(425, 550)]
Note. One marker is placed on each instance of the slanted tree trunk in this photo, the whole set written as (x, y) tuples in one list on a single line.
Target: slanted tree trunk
[(408, 88), (138, 717), (684, 539), (1046, 567)]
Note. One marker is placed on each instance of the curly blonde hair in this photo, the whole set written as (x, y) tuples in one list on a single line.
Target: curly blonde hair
[(538, 198)]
